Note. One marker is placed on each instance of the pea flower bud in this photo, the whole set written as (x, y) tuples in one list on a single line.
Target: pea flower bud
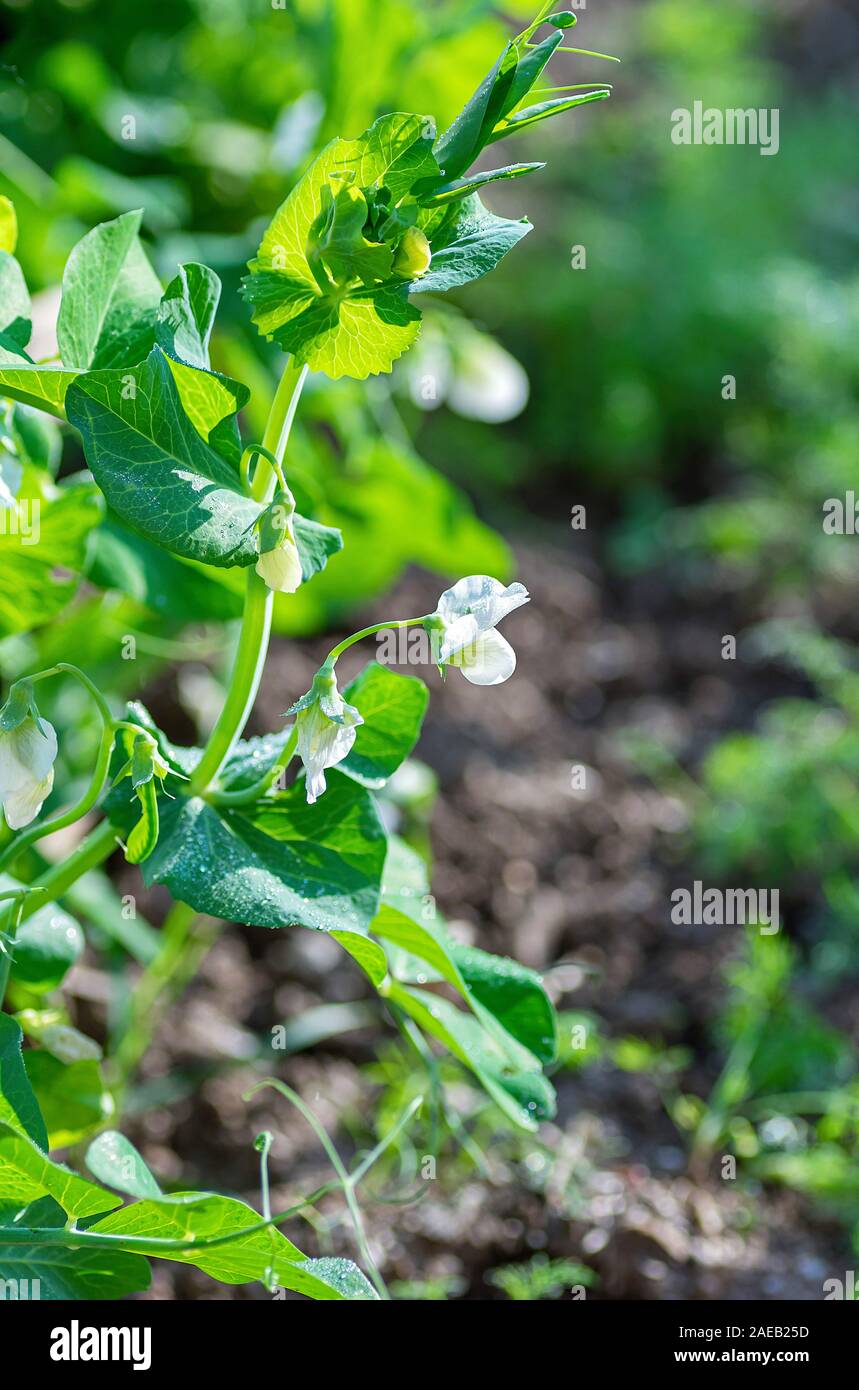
[(279, 564), (28, 749), (413, 255), (326, 726)]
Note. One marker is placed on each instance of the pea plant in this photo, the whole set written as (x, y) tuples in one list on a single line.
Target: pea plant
[(374, 223)]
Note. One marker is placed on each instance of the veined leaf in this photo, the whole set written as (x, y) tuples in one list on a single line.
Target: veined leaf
[(19, 1109), (186, 315), (357, 336), (110, 298), (393, 707), (184, 325), (264, 1255), (159, 474), (396, 152), (42, 387), (277, 862), (514, 995), (156, 471), (355, 332), (27, 1174), (469, 244), (65, 1274)]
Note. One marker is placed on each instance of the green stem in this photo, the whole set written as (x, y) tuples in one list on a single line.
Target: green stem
[(259, 788), (65, 668), (256, 619), (91, 852), (369, 632), (347, 1183), (244, 683), (153, 1245)]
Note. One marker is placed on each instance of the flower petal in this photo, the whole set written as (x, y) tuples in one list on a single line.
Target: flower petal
[(281, 568), (24, 804), (26, 770), (321, 744), (483, 598), (490, 660)]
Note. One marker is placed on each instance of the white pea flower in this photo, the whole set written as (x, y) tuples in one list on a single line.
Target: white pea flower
[(281, 568), (326, 727), (27, 754), (466, 620), (279, 564)]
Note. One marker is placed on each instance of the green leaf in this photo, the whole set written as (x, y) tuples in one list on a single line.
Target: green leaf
[(344, 332), (27, 1174), (211, 401), (315, 543), (66, 1274), (357, 336), (395, 153), (42, 387), (60, 1039), (186, 315), (514, 995), (264, 1255), (143, 837), (157, 473), (72, 1097), (37, 439), (19, 1109), (467, 245), (277, 862), (15, 321), (341, 243), (531, 63), (460, 188), (114, 1161), (178, 589), (8, 225), (39, 577), (543, 111), (393, 707), (459, 146), (184, 326), (110, 298), (46, 945), (507, 1072)]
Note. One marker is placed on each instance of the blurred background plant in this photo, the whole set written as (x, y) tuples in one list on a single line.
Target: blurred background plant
[(592, 374)]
